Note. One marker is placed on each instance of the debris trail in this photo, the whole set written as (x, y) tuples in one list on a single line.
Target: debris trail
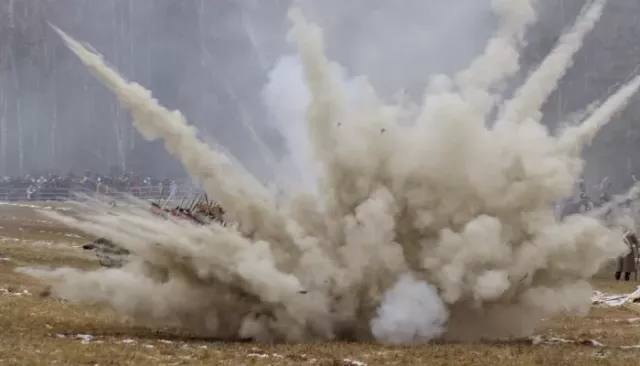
[(445, 220), (529, 99), (478, 80), (242, 195), (577, 137)]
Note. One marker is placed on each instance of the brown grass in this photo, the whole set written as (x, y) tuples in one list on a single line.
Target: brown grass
[(40, 330)]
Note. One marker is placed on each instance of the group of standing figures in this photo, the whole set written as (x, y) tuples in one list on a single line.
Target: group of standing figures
[(626, 264)]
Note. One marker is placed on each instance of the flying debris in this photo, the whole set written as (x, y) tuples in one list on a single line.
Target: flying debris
[(200, 211)]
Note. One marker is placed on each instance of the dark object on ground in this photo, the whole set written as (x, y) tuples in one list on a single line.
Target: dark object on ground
[(109, 254), (46, 292), (199, 210), (627, 276)]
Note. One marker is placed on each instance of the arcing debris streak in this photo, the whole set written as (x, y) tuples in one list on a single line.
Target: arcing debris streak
[(442, 228)]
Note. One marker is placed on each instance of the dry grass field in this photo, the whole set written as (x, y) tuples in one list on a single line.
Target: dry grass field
[(36, 329)]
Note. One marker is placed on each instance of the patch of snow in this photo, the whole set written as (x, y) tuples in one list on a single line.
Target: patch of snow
[(85, 338), (351, 362), (635, 346), (538, 340), (614, 300), (8, 292)]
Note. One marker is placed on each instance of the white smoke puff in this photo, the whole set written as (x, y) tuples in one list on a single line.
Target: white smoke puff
[(287, 98), (411, 312), (515, 16), (439, 84), (492, 284)]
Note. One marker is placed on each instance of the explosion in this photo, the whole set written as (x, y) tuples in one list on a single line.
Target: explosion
[(440, 227)]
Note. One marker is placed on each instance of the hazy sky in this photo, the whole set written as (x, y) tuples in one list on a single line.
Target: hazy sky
[(211, 60)]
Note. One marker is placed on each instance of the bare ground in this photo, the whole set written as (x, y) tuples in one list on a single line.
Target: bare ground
[(36, 329)]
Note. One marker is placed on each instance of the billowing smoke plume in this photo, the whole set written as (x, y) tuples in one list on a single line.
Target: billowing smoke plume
[(443, 227), (411, 312)]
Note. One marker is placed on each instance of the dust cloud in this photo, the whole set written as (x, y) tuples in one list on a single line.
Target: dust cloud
[(440, 225)]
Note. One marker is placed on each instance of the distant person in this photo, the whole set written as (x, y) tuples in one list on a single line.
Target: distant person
[(627, 263), (102, 187), (30, 192)]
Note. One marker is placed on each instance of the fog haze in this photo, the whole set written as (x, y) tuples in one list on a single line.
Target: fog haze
[(212, 59)]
